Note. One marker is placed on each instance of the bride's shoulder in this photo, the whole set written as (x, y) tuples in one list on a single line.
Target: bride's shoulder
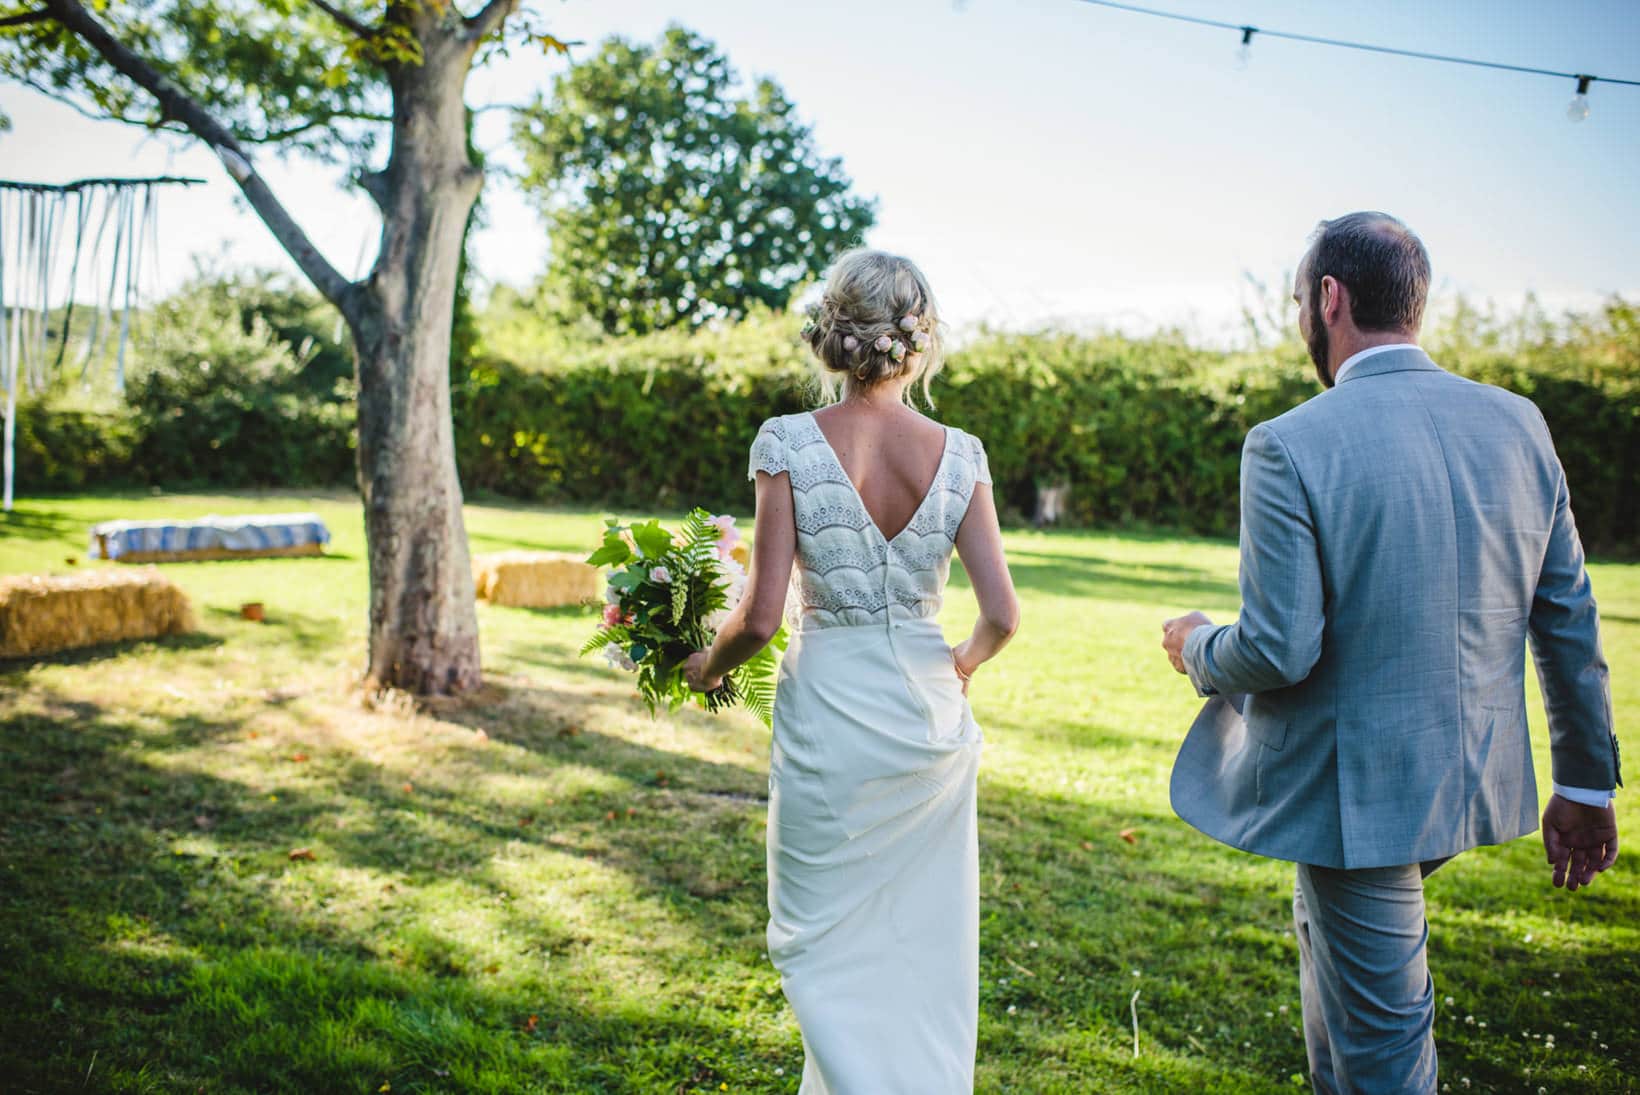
[(787, 429), (971, 450)]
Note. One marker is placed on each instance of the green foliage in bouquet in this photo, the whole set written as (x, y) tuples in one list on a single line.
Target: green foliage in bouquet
[(667, 595)]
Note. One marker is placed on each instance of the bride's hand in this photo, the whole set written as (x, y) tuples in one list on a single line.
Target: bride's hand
[(965, 672), (694, 674)]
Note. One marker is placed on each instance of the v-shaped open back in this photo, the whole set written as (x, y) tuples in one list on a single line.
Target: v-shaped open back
[(927, 491), (848, 572)]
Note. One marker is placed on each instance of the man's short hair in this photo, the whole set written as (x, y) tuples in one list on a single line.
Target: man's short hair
[(1382, 264)]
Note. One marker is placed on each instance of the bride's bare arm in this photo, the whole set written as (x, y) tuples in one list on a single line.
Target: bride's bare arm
[(979, 545), (755, 620)]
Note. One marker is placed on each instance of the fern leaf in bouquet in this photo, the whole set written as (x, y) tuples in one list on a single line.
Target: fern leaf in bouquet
[(666, 596)]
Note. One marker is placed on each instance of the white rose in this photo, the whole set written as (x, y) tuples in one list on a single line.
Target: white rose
[(617, 657)]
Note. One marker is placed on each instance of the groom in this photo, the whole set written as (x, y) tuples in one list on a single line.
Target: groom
[(1403, 535)]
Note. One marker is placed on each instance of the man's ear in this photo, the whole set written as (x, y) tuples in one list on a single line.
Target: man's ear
[(1334, 299)]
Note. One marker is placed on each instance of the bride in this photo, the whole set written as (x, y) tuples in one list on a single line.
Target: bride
[(872, 848)]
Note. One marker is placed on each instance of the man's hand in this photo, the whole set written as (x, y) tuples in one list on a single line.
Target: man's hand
[(1581, 841), (1176, 631), (694, 674)]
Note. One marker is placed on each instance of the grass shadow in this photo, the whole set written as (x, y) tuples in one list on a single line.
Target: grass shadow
[(101, 652)]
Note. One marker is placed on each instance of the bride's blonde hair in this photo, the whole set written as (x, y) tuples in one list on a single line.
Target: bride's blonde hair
[(876, 321)]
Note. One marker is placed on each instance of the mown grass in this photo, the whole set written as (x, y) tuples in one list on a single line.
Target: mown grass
[(543, 889)]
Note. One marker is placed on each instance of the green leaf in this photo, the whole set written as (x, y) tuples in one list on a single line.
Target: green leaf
[(653, 540), (614, 551), (610, 554), (601, 639)]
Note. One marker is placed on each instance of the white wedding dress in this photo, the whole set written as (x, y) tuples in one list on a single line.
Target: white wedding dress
[(872, 848)]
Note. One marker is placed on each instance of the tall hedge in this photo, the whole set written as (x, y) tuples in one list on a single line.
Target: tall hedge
[(1142, 431)]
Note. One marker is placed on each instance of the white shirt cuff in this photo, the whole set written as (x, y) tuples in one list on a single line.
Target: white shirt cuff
[(1585, 796)]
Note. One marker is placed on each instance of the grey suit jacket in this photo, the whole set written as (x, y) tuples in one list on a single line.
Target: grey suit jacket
[(1403, 536)]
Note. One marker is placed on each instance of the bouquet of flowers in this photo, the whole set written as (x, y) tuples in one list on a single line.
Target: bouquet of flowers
[(668, 593)]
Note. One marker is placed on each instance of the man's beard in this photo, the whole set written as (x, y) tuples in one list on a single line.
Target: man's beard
[(1318, 342)]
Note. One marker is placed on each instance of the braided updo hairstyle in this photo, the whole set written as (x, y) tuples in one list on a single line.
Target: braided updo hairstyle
[(876, 322)]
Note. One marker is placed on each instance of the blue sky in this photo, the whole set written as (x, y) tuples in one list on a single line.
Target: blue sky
[(1048, 160)]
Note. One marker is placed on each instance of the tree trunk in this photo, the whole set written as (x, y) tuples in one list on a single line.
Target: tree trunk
[(423, 627)]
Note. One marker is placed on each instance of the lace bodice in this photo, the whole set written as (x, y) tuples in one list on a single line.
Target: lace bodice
[(847, 573)]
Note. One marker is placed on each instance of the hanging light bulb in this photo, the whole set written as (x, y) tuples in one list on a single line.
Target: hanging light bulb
[(1244, 54), (1578, 108)]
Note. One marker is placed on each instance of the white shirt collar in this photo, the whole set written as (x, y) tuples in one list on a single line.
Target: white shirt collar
[(1354, 359)]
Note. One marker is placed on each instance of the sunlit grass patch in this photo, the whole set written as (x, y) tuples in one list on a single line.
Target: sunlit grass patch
[(540, 887)]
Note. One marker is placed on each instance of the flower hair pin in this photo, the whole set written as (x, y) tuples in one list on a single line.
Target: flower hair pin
[(850, 343), (908, 323), (883, 344), (897, 351)]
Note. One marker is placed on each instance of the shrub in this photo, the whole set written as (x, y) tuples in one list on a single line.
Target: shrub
[(1143, 431)]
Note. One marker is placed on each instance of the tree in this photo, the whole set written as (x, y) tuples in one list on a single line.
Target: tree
[(330, 78), (673, 197)]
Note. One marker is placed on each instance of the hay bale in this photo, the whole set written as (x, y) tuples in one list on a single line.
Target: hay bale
[(44, 615), (535, 579), (218, 554)]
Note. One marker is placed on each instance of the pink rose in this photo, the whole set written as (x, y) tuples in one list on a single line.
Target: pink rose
[(614, 617), (883, 344), (727, 533)]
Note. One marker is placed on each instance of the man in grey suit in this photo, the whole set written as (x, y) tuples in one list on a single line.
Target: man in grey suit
[(1403, 535)]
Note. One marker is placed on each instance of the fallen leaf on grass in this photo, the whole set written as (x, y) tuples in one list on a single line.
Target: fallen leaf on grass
[(1129, 835), (492, 968), (409, 787), (527, 819), (568, 731), (301, 853), (531, 1023), (298, 758), (1087, 845)]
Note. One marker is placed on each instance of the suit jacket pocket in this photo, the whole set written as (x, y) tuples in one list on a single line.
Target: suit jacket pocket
[(1268, 731)]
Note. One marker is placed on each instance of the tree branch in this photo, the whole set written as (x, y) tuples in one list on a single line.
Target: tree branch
[(488, 20), (344, 20), (58, 96), (276, 135), (177, 104), (24, 18), (163, 125)]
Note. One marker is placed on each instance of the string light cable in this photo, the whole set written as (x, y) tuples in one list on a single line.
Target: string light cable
[(1576, 111)]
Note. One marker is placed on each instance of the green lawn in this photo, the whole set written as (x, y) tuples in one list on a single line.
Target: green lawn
[(543, 889)]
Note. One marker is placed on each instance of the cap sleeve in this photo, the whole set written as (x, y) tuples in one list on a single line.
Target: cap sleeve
[(976, 455), (768, 450)]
